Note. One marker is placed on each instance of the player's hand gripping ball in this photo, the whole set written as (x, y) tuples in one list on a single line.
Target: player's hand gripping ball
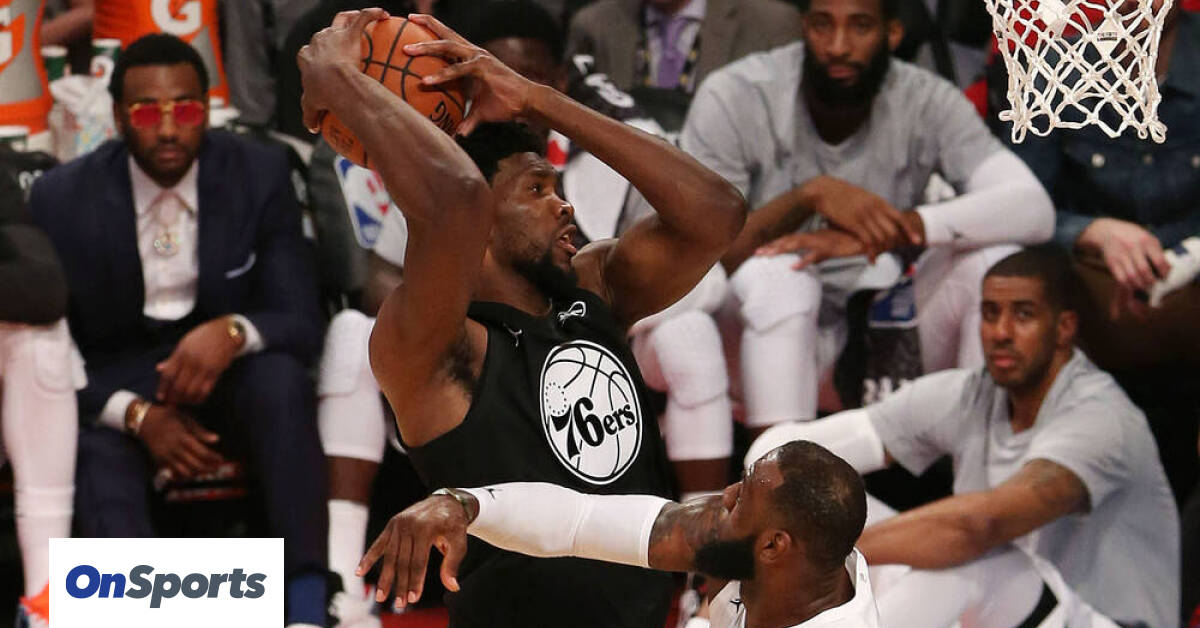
[(383, 59)]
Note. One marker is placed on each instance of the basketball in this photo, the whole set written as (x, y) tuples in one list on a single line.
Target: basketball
[(384, 60)]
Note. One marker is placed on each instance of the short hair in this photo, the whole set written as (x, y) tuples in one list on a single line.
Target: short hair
[(891, 8), (155, 49), (823, 501), (1049, 264), (491, 142), (518, 18)]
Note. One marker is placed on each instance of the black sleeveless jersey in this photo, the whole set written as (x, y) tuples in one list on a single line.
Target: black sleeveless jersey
[(559, 400)]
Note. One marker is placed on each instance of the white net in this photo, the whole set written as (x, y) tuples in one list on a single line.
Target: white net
[(1073, 63)]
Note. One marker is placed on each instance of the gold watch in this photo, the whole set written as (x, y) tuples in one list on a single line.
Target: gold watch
[(135, 415), (236, 330)]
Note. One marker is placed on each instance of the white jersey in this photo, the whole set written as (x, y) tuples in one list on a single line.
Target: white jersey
[(727, 610)]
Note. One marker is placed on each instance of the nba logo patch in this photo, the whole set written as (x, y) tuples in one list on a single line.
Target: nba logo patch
[(591, 413), (367, 200)]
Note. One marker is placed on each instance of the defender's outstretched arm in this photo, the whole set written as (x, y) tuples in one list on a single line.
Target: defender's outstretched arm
[(543, 520)]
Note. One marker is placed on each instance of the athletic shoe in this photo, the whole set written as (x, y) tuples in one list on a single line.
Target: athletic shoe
[(35, 612), (354, 611), (1185, 266)]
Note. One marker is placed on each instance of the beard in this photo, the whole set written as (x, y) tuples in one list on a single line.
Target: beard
[(549, 277), (727, 560), (831, 92)]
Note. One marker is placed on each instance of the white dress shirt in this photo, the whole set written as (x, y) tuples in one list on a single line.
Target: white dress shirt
[(727, 610), (169, 280)]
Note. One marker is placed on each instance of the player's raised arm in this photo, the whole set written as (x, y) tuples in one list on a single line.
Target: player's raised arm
[(446, 201), (659, 259), (539, 519)]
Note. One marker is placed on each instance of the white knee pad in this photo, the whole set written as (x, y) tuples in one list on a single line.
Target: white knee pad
[(683, 357), (345, 359), (770, 291), (647, 360), (778, 308), (689, 354), (350, 414), (849, 435), (699, 432)]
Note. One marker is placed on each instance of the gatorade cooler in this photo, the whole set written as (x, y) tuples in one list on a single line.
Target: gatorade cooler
[(24, 96), (194, 21)]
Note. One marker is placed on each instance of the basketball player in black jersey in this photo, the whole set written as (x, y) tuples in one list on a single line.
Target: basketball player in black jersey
[(503, 352)]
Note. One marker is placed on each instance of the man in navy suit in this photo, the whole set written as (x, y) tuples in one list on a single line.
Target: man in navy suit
[(194, 303)]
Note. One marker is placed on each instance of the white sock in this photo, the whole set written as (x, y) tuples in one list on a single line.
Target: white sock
[(347, 541), (42, 514)]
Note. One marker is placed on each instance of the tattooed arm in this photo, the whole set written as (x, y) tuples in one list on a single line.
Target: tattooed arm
[(680, 530), (957, 529), (544, 520)]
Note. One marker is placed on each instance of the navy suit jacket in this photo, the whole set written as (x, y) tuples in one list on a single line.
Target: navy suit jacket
[(253, 259)]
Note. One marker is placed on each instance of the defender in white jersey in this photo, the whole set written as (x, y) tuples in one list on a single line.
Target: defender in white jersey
[(1049, 454), (785, 533)]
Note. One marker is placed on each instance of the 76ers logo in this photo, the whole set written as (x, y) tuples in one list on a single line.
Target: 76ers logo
[(590, 411)]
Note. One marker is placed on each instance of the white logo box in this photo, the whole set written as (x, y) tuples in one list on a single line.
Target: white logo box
[(182, 583)]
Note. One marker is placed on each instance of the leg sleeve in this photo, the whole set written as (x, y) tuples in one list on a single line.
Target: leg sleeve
[(40, 427)]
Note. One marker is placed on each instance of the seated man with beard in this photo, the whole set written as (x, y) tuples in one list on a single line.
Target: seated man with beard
[(834, 143)]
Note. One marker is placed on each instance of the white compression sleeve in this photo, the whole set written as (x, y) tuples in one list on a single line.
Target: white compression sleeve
[(1000, 186), (547, 520), (849, 435)]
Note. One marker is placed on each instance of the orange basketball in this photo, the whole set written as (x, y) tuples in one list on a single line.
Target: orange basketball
[(384, 60)]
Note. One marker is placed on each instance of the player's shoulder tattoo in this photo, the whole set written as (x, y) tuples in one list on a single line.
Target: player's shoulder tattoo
[(1056, 486), (681, 529)]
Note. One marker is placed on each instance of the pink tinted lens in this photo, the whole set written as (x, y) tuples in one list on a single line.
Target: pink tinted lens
[(142, 116), (189, 112)]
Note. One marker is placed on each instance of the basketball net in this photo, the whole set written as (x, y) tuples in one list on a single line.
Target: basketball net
[(1074, 63)]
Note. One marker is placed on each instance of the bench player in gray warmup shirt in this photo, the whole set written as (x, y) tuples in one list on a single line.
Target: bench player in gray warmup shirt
[(833, 138), (1049, 455)]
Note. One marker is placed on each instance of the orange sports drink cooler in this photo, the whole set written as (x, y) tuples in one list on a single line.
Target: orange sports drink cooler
[(194, 21), (24, 96)]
